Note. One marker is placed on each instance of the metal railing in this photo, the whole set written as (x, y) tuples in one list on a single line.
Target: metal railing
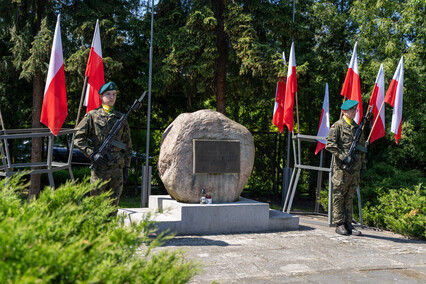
[(48, 166), (298, 165)]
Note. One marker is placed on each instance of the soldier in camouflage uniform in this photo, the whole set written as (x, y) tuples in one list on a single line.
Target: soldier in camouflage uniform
[(92, 132), (345, 184)]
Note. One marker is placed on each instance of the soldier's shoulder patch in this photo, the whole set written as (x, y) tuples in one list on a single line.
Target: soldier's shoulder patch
[(332, 126), (85, 115)]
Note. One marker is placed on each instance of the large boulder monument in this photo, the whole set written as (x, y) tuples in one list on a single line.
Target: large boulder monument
[(205, 150)]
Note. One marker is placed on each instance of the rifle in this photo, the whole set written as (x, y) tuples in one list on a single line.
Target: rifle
[(106, 146), (350, 159)]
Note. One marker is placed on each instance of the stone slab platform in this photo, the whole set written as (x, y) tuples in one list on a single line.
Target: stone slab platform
[(243, 216), (312, 254)]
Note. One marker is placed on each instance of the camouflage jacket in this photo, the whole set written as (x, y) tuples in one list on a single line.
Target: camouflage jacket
[(339, 141), (93, 130)]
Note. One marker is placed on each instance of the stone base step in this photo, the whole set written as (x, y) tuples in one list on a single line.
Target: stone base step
[(242, 216)]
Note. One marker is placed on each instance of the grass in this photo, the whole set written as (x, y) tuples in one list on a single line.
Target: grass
[(130, 202)]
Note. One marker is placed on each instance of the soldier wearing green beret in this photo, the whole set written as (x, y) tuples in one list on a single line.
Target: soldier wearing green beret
[(345, 184), (92, 132)]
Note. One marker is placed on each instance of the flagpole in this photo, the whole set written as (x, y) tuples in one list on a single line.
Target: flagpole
[(1, 120), (146, 180), (297, 115), (374, 124), (6, 148), (81, 100), (287, 170)]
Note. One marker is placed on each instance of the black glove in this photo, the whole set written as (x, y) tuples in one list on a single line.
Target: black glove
[(348, 161), (98, 159), (125, 174)]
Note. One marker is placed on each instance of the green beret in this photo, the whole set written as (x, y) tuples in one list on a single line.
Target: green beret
[(349, 104), (107, 87)]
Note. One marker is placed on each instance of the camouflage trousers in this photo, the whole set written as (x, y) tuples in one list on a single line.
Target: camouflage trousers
[(344, 190), (114, 176)]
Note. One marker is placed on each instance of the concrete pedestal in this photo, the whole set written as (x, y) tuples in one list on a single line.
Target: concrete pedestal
[(244, 215)]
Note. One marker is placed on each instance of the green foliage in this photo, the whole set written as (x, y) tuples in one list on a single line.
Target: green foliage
[(382, 177), (401, 210), (185, 61), (57, 240), (40, 52)]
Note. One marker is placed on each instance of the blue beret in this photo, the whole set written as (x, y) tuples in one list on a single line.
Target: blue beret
[(107, 87), (349, 104)]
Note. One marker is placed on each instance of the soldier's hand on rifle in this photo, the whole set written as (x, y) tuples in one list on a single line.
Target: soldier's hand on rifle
[(348, 161), (125, 174), (98, 159)]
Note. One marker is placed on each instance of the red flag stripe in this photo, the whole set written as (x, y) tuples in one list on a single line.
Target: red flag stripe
[(95, 72), (352, 87), (291, 89), (277, 119), (398, 100), (376, 102), (390, 94), (398, 133), (289, 100), (320, 146), (54, 109)]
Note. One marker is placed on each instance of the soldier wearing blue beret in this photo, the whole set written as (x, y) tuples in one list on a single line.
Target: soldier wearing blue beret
[(345, 183), (92, 132)]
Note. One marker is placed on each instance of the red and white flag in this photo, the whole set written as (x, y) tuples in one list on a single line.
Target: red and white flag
[(352, 87), (376, 101), (94, 72), (55, 110), (278, 117), (324, 124), (394, 98), (291, 89)]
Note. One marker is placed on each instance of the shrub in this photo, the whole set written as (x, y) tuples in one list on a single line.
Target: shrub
[(382, 177), (57, 240), (400, 210)]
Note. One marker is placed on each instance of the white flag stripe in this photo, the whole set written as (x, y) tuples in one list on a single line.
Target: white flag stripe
[(56, 57), (325, 120), (380, 81), (96, 42), (276, 103), (292, 61), (397, 109), (354, 60), (398, 70)]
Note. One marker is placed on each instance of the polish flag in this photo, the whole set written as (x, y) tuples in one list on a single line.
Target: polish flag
[(94, 72), (352, 87), (376, 101), (55, 110), (324, 124), (291, 89), (277, 118), (394, 98)]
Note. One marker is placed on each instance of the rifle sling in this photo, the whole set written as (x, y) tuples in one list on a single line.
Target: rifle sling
[(361, 148), (118, 144)]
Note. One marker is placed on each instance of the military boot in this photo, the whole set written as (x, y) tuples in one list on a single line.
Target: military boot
[(351, 229), (341, 230)]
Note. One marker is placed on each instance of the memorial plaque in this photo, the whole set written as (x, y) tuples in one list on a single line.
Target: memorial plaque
[(216, 156)]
